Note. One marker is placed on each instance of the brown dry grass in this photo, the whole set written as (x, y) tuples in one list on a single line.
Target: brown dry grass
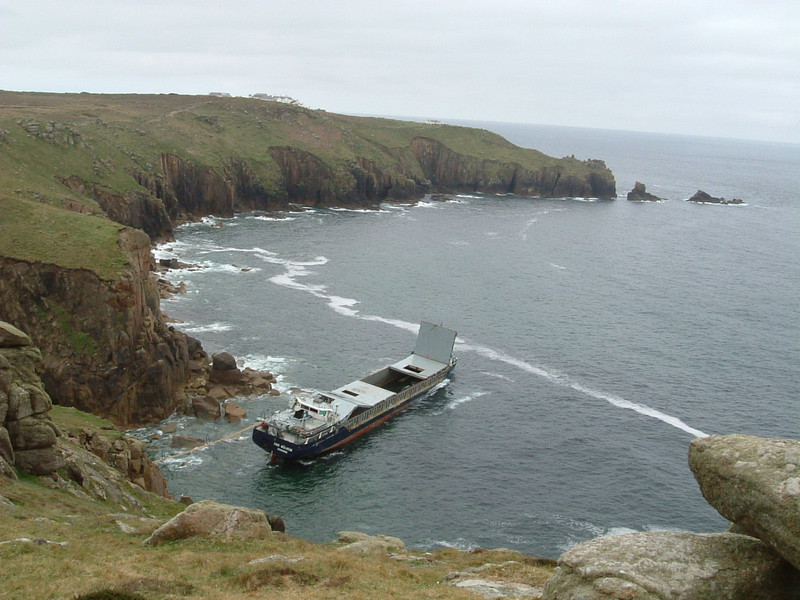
[(100, 561)]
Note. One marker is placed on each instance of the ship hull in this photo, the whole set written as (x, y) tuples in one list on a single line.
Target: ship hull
[(280, 448)]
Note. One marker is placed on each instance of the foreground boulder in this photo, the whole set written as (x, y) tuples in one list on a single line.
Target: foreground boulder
[(362, 543), (673, 566), (206, 407), (755, 483), (213, 520)]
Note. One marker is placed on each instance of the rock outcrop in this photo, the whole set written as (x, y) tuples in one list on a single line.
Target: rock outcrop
[(135, 208), (752, 481), (213, 520), (27, 434), (107, 348), (98, 465), (668, 565), (123, 453), (702, 197), (362, 543), (639, 193)]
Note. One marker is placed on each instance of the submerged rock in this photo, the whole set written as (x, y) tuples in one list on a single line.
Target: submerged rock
[(704, 198)]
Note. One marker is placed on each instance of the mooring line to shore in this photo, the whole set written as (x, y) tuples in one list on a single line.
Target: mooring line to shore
[(204, 446)]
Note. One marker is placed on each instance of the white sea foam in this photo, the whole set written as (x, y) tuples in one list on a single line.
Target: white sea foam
[(530, 223), (564, 380), (498, 376), (210, 327), (459, 544), (184, 461), (344, 307), (272, 219), (358, 210), (559, 267), (428, 204), (259, 362), (453, 404)]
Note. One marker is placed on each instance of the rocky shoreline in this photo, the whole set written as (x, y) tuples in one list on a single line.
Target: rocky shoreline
[(753, 482)]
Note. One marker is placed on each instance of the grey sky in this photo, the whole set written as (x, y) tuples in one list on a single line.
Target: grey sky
[(725, 68)]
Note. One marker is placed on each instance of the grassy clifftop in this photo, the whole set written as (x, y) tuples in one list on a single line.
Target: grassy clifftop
[(145, 160)]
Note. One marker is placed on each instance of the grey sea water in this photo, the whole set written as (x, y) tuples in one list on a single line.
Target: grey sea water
[(596, 339)]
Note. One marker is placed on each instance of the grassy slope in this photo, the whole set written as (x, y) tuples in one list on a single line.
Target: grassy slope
[(100, 556), (39, 232), (106, 138)]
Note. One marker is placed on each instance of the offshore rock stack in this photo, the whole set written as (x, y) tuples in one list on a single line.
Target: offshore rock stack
[(753, 482)]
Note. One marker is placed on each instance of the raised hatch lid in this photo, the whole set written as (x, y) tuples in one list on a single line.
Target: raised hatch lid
[(435, 342)]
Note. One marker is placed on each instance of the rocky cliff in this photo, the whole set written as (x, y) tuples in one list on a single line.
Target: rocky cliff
[(450, 171), (97, 461), (106, 346), (147, 161)]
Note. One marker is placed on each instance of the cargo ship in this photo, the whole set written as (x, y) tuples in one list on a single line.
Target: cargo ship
[(316, 423)]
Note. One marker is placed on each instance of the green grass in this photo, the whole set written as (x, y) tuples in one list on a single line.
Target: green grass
[(39, 232), (118, 136)]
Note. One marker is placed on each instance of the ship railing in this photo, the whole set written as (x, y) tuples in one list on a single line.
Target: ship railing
[(397, 399)]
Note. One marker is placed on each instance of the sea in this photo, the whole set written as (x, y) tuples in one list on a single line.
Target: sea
[(596, 339)]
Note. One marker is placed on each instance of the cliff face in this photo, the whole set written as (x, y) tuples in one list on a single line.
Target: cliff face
[(186, 190), (135, 208), (449, 170), (106, 347)]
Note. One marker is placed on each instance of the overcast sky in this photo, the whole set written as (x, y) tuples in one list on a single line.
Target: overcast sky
[(725, 68)]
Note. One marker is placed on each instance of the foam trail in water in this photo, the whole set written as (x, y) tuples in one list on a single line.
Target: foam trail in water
[(566, 381), (344, 306)]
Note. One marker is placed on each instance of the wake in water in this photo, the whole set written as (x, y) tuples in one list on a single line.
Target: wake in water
[(344, 306), (296, 270)]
